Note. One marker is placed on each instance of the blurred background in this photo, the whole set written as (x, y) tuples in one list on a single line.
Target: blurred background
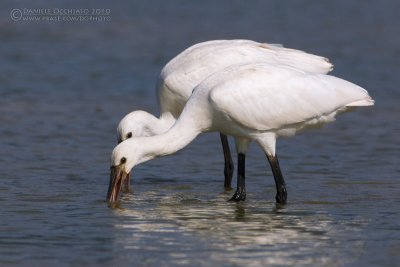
[(64, 86)]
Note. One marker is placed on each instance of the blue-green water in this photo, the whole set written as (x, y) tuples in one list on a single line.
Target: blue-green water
[(65, 85)]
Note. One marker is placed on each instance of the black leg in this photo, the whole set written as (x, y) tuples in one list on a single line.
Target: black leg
[(240, 193), (281, 194), (228, 170)]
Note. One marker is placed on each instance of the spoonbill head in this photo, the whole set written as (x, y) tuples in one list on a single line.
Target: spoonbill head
[(121, 166), (136, 150), (141, 123)]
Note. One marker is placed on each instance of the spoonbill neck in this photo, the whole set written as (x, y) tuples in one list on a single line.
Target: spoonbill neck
[(164, 123), (174, 139)]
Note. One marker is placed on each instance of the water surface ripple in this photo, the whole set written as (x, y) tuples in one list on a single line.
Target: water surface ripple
[(64, 87)]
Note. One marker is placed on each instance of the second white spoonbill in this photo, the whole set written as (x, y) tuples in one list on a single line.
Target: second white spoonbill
[(253, 102), (189, 68)]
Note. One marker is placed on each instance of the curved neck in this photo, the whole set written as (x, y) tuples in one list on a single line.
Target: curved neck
[(164, 123), (176, 138), (155, 126)]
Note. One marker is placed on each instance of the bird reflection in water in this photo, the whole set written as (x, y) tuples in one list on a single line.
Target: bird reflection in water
[(250, 233)]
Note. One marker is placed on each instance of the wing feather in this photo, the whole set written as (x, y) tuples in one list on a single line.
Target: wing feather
[(196, 63), (265, 97)]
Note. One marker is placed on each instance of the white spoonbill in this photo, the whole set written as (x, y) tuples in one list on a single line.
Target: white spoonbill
[(189, 68), (252, 102)]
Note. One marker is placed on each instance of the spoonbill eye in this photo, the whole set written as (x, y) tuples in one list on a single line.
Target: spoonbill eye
[(123, 160), (129, 135)]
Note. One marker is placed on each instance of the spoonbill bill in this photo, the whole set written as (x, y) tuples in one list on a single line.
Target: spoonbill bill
[(251, 102), (193, 65)]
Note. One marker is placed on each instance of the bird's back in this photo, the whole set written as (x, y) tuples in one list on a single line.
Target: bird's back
[(192, 66), (263, 97)]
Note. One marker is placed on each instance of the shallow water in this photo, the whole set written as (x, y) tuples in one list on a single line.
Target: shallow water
[(64, 86)]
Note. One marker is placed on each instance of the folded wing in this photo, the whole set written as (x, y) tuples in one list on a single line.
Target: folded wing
[(265, 97)]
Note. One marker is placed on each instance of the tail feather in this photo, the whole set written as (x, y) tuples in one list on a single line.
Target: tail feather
[(361, 103)]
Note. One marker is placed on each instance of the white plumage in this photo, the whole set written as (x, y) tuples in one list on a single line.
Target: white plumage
[(280, 98), (192, 66), (252, 102)]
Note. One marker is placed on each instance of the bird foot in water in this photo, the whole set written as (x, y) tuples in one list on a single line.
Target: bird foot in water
[(238, 196), (227, 189), (281, 197)]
